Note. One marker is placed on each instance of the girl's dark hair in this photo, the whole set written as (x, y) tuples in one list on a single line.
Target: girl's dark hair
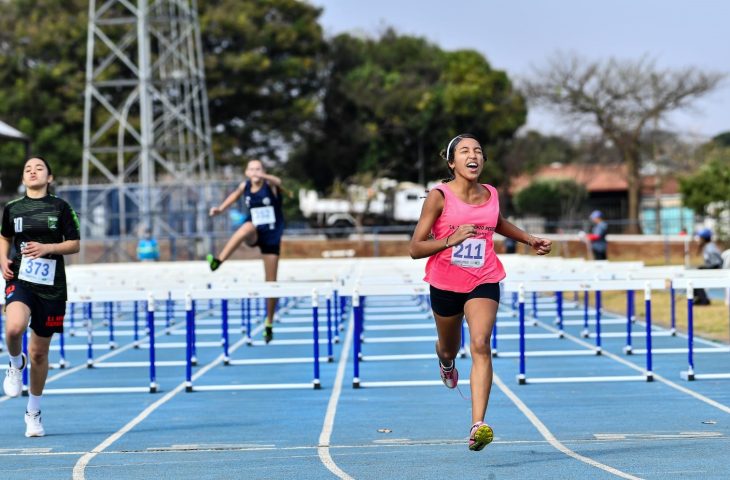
[(448, 153), (45, 162)]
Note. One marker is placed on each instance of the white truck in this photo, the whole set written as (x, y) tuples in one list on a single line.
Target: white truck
[(386, 202)]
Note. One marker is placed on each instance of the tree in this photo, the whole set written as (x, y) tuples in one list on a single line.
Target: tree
[(707, 191), (722, 139), (621, 98), (552, 199), (263, 64), (533, 150), (42, 82), (392, 103)]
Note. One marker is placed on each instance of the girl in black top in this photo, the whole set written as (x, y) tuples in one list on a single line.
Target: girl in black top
[(42, 229)]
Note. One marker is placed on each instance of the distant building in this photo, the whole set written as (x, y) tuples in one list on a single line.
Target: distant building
[(9, 133), (607, 187)]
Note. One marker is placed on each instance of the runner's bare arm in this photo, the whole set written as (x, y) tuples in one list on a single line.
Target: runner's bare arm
[(38, 250), (230, 200)]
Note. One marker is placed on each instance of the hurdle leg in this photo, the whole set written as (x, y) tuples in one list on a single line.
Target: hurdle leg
[(559, 298), (585, 333), (315, 337), (194, 352), (494, 340), (168, 312), (72, 319), (109, 311), (62, 350), (189, 327), (647, 301), (330, 353), (598, 322), (25, 370), (690, 373), (224, 332), (335, 303), (151, 327), (673, 309), (628, 349), (247, 303), (521, 378), (357, 312), (89, 337), (135, 322)]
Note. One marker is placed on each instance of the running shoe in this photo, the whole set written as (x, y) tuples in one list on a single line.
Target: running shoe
[(213, 262), (13, 384), (480, 436), (268, 333), (450, 376), (33, 425)]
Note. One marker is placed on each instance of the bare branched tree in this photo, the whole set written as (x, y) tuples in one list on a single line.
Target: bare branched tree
[(621, 98)]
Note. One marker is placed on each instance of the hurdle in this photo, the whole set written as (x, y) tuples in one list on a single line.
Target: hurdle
[(690, 284), (523, 287), (264, 290), (109, 296), (359, 294)]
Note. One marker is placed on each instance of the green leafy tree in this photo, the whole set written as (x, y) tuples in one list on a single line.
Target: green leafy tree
[(392, 103), (552, 199), (722, 139), (41, 82), (710, 185), (530, 151), (263, 64)]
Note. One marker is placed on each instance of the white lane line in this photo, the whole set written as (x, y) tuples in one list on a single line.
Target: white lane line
[(547, 435), (638, 368), (80, 467), (323, 449)]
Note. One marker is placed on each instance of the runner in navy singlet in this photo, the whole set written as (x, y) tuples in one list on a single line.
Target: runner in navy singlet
[(262, 228)]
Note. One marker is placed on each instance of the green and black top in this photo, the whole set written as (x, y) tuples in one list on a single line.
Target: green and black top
[(44, 220)]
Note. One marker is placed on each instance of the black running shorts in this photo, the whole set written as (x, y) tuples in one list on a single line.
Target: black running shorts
[(46, 316), (447, 303)]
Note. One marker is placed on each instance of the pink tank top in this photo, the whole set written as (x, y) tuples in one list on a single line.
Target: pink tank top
[(473, 262)]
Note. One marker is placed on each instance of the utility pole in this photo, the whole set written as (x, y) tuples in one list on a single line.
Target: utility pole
[(147, 144)]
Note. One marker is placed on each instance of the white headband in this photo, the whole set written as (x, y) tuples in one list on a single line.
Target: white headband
[(449, 146)]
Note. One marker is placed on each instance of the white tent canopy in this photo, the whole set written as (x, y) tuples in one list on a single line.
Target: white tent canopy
[(6, 131)]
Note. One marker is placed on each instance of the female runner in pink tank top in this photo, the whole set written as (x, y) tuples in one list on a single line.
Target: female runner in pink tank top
[(455, 231)]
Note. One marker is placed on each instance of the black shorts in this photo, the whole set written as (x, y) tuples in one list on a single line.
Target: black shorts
[(269, 249), (46, 316), (447, 303)]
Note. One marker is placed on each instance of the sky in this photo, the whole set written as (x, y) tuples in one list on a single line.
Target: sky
[(518, 35)]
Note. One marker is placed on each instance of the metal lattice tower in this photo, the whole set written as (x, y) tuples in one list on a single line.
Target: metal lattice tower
[(147, 144)]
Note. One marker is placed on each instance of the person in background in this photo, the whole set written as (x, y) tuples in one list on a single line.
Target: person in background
[(597, 237), (510, 246), (42, 229), (711, 257), (263, 227), (147, 248), (455, 231)]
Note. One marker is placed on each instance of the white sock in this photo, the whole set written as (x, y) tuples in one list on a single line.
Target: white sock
[(34, 403), (16, 360)]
